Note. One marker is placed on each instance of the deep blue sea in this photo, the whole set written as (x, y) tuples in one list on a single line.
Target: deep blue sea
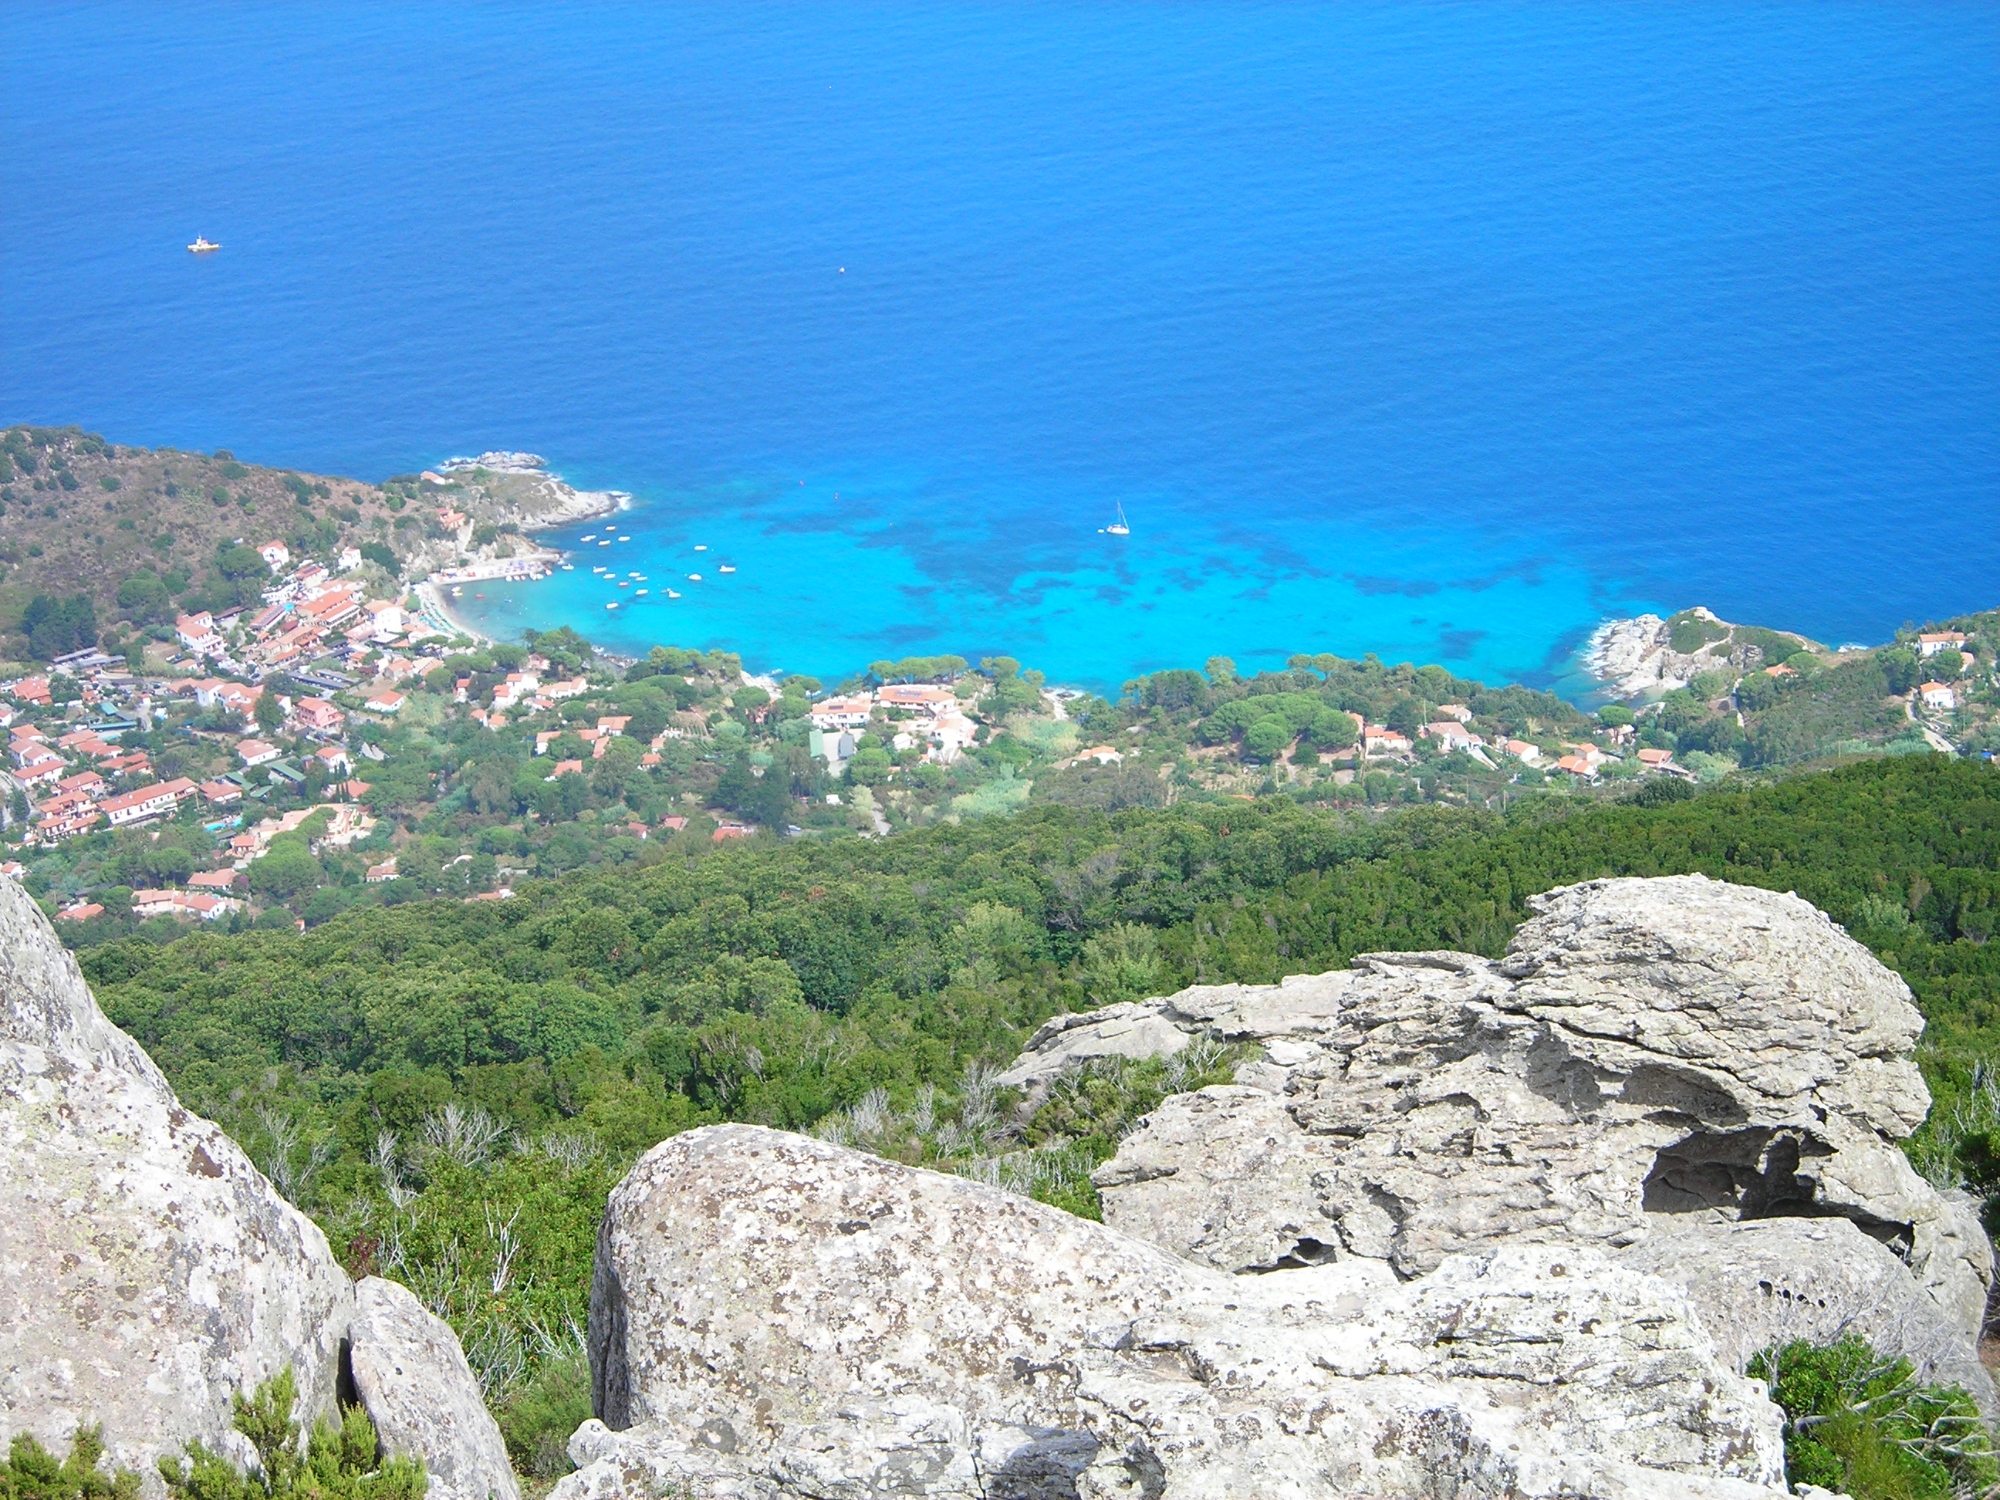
[(1441, 331)]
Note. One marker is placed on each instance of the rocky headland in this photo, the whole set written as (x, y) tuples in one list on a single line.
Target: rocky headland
[(1647, 656), (1458, 1227)]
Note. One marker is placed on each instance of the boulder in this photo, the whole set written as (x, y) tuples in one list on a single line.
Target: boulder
[(148, 1272), (412, 1378), (1650, 1055), (773, 1315)]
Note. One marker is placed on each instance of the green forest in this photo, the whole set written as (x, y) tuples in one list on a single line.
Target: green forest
[(451, 1087)]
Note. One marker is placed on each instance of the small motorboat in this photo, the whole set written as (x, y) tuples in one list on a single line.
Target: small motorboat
[(727, 568), (638, 593), (588, 536), (624, 583), (605, 543), (612, 605), (202, 245), (694, 578), (673, 594), (569, 567)]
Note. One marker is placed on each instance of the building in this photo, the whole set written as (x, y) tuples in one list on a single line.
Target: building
[(1376, 740), (1451, 734), (275, 555), (1937, 695), (220, 793), (1935, 641), (197, 633), (922, 697), (317, 716), (147, 803), (256, 752), (388, 701), (1104, 755), (383, 873), (333, 761), (1656, 760), (843, 713), (1456, 711), (1525, 751)]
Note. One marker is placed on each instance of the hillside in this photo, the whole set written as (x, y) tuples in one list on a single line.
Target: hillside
[(439, 1082)]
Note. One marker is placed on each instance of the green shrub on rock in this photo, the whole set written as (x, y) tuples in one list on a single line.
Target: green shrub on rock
[(31, 1472), (1862, 1422), (341, 1462)]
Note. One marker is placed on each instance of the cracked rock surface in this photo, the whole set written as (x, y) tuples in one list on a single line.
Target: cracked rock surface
[(147, 1270), (1672, 1056), (778, 1316)]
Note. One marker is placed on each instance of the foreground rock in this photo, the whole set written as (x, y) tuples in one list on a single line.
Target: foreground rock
[(147, 1269), (778, 1316), (412, 1378), (149, 1274), (1651, 1055)]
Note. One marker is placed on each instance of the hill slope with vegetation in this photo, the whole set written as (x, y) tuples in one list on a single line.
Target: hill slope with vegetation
[(451, 1088)]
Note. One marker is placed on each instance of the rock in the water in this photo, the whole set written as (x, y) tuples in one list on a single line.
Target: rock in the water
[(422, 1397), (1650, 1054), (148, 1272), (778, 1316)]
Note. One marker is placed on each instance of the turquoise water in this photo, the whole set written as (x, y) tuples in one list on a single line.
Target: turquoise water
[(1439, 331)]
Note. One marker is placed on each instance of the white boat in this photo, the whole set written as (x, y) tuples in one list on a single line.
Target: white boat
[(605, 543), (727, 568), (624, 583), (588, 536), (694, 578), (457, 591), (569, 567), (1118, 527), (701, 546), (638, 593), (612, 605), (202, 245), (635, 575), (624, 539), (673, 593)]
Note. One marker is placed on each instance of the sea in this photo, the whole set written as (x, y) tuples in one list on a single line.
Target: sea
[(1439, 331)]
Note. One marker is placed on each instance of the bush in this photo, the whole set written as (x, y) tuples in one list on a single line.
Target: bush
[(31, 1472), (339, 1463), (1689, 632), (1860, 1422)]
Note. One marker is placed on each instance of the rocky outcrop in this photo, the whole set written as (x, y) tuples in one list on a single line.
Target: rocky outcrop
[(777, 1316), (412, 1378), (149, 1273), (1650, 1056), (147, 1270), (1635, 658)]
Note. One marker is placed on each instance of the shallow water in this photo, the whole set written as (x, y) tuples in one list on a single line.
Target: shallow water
[(1435, 331)]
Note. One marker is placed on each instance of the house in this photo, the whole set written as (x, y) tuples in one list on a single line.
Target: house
[(1451, 734), (203, 906), (1525, 751), (613, 724), (1932, 642), (256, 752), (386, 616), (275, 554), (1576, 765), (333, 760), (1104, 755), (843, 713), (45, 770), (197, 633), (148, 802), (388, 701), (1376, 740), (81, 913), (349, 559), (1456, 711), (1937, 695), (219, 793), (730, 831), (565, 768), (317, 716), (922, 697), (153, 903), (1656, 760), (383, 873), (85, 783), (568, 687), (32, 690)]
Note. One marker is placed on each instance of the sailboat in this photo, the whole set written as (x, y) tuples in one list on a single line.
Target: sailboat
[(1118, 527)]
